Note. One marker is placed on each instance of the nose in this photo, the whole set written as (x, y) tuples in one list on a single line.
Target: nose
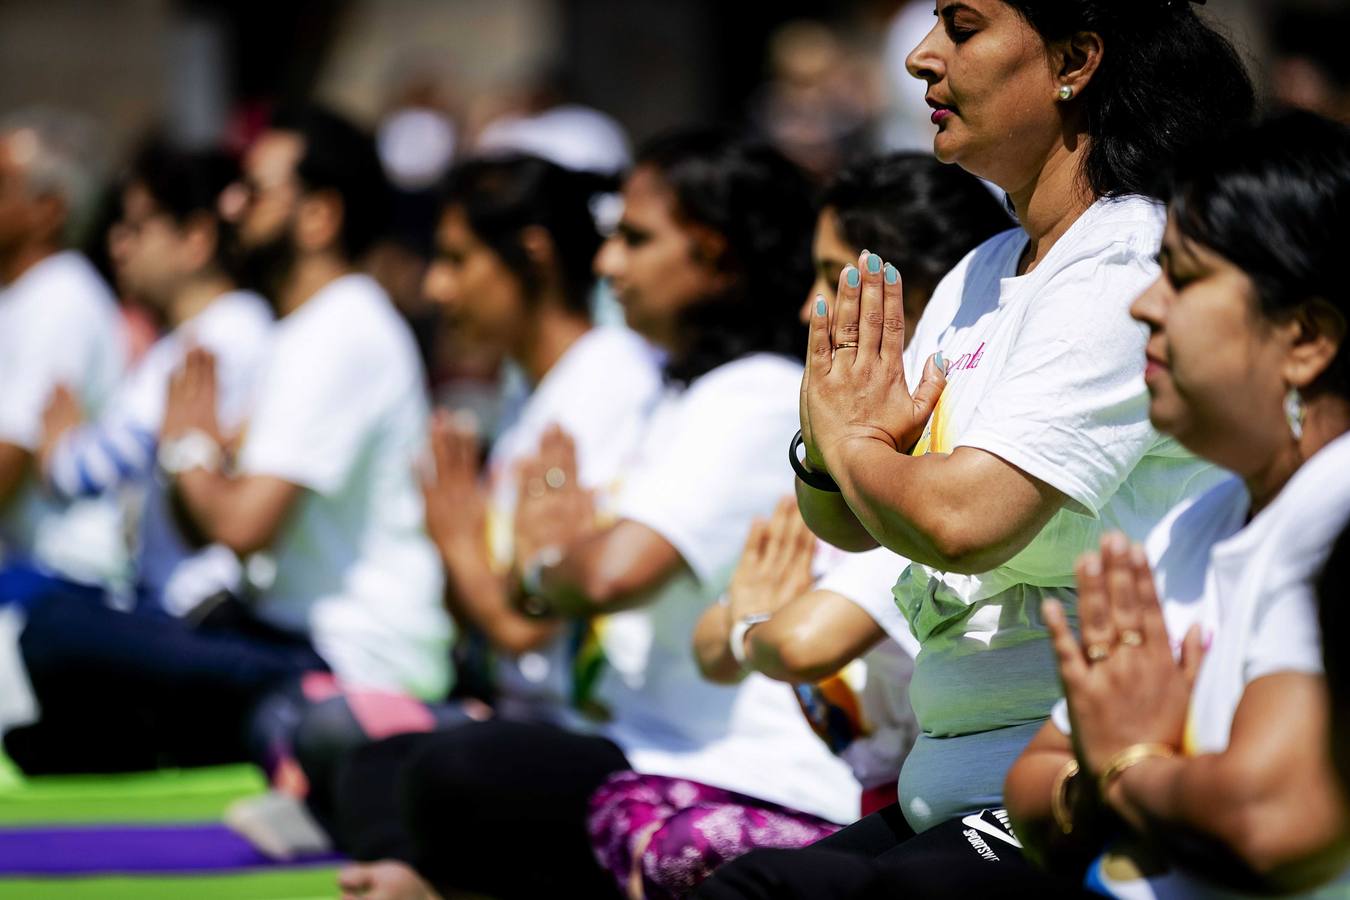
[(1150, 307), (609, 259), (923, 61), (439, 285)]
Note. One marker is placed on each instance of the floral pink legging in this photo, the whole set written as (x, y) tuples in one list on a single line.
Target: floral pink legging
[(660, 837)]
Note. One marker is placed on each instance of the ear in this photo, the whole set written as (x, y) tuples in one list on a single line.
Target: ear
[(1317, 333), (1076, 59), (318, 222), (200, 237), (708, 249), (539, 247)]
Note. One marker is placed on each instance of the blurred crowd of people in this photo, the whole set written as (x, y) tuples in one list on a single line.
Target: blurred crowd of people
[(838, 524)]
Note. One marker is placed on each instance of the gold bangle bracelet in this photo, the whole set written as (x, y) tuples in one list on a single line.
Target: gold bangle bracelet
[(1060, 807), (1132, 755)]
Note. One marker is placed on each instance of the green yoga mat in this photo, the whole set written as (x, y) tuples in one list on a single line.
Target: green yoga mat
[(177, 795), (284, 884)]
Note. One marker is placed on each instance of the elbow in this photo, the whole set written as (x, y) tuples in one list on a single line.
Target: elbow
[(958, 549), (798, 654)]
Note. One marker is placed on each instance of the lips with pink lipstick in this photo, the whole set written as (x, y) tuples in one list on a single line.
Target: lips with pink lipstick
[(941, 111)]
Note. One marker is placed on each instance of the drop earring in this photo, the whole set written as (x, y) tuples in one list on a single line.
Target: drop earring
[(1295, 412), (1065, 93)]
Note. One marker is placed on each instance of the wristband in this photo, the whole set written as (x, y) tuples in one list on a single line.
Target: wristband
[(1060, 807), (821, 481), (193, 449), (533, 603), (736, 640), (1132, 755)]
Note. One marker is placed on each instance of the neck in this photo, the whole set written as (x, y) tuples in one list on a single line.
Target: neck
[(551, 333), (1051, 202), (24, 257), (311, 274), (195, 296), (1326, 418)]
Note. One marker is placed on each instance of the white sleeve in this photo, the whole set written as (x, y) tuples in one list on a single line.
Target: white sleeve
[(1070, 406), (312, 418), (1060, 716), (42, 352), (724, 464), (866, 579)]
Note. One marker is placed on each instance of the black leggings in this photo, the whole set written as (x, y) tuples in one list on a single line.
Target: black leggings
[(880, 857), (495, 807)]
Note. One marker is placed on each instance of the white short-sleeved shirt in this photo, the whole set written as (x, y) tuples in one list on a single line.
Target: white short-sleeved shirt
[(599, 392), (342, 412), (881, 684), (1046, 372), (236, 328), (1251, 589), (59, 325), (710, 462)]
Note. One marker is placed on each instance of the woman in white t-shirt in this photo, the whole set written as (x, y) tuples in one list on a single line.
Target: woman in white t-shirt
[(1219, 763), (710, 262), (1013, 430)]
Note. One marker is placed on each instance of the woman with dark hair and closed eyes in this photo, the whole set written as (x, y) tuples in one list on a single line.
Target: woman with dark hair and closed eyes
[(663, 835), (710, 261), (1013, 431), (1216, 766)]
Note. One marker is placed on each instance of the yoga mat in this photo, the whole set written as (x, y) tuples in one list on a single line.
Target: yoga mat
[(283, 884), (131, 849), (171, 795)]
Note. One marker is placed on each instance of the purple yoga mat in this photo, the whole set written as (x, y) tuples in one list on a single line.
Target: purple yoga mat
[(108, 849)]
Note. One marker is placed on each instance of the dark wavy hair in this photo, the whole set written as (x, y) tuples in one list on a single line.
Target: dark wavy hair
[(185, 184), (916, 213), (342, 158), (503, 196), (1274, 200), (1167, 81), (760, 204)]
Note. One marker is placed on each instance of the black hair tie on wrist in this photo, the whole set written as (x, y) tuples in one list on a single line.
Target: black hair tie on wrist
[(821, 481)]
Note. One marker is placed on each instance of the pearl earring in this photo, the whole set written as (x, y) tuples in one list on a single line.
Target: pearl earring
[(1066, 93)]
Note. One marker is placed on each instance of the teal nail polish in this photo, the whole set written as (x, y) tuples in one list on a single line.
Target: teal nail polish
[(852, 276), (892, 274), (820, 306), (940, 362), (873, 263)]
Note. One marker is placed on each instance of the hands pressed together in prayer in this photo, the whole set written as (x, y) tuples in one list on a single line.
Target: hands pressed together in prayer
[(775, 566), (855, 388), (553, 510), (191, 404), (455, 498), (1124, 686)]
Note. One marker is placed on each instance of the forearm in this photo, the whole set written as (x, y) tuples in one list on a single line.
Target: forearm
[(235, 512), (612, 570), (1275, 829), (479, 597), (964, 512)]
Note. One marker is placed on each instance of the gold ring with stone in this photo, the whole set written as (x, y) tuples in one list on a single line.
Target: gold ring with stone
[(1131, 638), (1098, 652)]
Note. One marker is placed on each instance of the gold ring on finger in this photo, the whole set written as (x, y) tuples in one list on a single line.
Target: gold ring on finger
[(1131, 638), (847, 345), (1098, 652), (555, 477)]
